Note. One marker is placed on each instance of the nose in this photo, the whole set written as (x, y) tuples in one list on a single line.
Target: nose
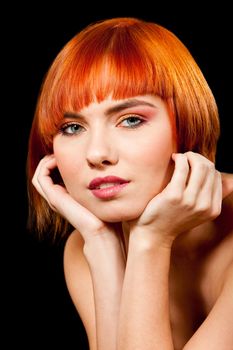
[(101, 151)]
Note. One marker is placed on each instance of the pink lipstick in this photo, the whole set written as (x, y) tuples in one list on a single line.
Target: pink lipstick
[(107, 187)]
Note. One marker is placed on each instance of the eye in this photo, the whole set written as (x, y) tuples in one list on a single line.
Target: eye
[(132, 121), (71, 129)]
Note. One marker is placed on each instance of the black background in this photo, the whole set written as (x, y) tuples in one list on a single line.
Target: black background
[(39, 309)]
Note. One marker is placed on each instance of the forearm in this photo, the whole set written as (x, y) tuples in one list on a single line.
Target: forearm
[(144, 316), (107, 266)]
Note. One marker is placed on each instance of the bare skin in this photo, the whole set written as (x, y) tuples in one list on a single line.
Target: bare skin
[(200, 282), (198, 274), (152, 272)]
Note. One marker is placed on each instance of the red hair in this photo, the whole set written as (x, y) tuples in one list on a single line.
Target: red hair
[(124, 57)]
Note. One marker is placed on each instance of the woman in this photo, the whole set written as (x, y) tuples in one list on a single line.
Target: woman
[(121, 163)]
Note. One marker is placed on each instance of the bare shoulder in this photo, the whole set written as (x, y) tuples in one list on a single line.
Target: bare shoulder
[(219, 263), (227, 184), (225, 220), (216, 332), (226, 224), (217, 329), (79, 284)]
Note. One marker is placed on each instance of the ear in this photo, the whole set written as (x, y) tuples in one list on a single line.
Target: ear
[(227, 184)]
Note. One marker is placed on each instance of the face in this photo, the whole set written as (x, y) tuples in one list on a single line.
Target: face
[(115, 156)]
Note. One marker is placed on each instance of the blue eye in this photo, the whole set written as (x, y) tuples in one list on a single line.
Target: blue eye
[(71, 129), (132, 122)]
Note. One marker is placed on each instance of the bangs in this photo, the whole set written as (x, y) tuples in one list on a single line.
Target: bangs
[(101, 64)]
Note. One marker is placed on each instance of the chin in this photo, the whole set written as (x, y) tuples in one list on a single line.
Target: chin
[(113, 216)]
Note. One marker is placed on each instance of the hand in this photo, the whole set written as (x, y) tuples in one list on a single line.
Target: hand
[(193, 196), (61, 201)]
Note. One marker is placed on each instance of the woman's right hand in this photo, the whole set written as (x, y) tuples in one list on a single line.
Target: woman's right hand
[(61, 202)]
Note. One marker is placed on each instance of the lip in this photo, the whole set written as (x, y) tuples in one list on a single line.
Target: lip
[(107, 192)]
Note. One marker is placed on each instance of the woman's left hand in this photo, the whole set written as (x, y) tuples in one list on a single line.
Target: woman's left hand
[(193, 196)]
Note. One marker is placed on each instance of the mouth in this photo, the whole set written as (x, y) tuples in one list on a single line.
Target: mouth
[(107, 187)]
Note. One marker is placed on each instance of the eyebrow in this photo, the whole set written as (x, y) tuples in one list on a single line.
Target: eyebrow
[(127, 104), (115, 109)]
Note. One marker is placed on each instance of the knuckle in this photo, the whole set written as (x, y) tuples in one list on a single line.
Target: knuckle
[(204, 209), (174, 197), (189, 203), (190, 153), (209, 211), (35, 182), (219, 176), (206, 167), (202, 167), (200, 160), (210, 166), (182, 156), (216, 211)]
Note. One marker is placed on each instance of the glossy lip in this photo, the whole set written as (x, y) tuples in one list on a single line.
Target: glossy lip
[(107, 192)]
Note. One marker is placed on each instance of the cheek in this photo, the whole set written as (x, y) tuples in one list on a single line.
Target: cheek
[(154, 151), (154, 157), (68, 165)]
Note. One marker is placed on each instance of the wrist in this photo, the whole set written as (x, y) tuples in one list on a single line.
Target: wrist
[(102, 247), (146, 239)]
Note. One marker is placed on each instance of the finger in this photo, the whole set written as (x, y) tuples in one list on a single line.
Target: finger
[(44, 171), (78, 216), (42, 178), (51, 192), (210, 197), (41, 164), (206, 193), (180, 174), (201, 172), (204, 200), (217, 195)]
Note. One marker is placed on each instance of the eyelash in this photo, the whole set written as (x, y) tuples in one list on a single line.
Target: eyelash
[(64, 127), (135, 117)]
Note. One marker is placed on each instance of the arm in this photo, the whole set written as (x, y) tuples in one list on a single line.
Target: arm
[(107, 266), (192, 197), (95, 252), (94, 281), (144, 318)]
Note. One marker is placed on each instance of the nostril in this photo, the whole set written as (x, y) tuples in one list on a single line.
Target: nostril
[(106, 162), (100, 164)]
